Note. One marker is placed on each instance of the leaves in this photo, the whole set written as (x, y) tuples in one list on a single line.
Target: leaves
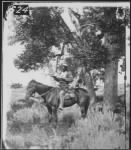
[(39, 32), (45, 28)]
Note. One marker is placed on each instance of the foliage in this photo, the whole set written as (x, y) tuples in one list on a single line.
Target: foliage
[(97, 74), (96, 131), (38, 136), (44, 28), (107, 21), (123, 66), (15, 141), (24, 116), (39, 32), (98, 128), (30, 115), (6, 6)]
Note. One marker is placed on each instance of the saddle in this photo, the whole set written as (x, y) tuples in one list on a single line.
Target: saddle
[(69, 94), (64, 84)]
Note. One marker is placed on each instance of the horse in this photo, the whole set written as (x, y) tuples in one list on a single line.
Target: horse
[(36, 87), (52, 99)]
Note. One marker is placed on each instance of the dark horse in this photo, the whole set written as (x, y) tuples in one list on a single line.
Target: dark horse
[(51, 98), (36, 87)]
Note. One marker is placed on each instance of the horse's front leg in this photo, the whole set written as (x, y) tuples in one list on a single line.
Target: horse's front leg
[(49, 113), (84, 109), (54, 116)]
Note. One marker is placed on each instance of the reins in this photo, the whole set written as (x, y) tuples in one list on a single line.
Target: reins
[(43, 93), (40, 95)]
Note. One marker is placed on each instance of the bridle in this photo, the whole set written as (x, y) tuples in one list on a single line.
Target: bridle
[(40, 95)]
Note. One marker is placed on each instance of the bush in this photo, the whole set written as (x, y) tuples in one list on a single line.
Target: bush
[(15, 142), (23, 119), (37, 136), (16, 85), (98, 131), (24, 116)]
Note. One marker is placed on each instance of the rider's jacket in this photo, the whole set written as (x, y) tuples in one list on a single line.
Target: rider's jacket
[(66, 76)]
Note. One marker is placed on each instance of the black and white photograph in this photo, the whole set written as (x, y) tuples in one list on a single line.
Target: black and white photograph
[(65, 75)]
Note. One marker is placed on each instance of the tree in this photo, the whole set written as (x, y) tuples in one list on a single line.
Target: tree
[(111, 22), (115, 42), (39, 32), (46, 27)]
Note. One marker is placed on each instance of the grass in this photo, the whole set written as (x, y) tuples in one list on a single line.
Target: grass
[(29, 128), (17, 94)]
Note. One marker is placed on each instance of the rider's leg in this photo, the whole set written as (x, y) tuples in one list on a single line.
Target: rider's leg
[(61, 99), (71, 91)]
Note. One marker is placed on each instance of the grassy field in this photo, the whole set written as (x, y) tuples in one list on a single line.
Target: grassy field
[(29, 128)]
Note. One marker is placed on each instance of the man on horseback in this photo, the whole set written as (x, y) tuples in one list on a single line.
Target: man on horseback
[(64, 79)]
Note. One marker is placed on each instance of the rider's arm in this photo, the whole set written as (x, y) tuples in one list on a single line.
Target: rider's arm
[(55, 76)]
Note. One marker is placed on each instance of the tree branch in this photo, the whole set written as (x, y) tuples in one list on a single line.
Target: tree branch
[(91, 25), (66, 28), (59, 55)]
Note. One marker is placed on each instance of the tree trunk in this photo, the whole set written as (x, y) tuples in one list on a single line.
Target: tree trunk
[(110, 86), (86, 77), (111, 68), (115, 43)]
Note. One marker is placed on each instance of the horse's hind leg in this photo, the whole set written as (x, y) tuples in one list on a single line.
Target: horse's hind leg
[(50, 113)]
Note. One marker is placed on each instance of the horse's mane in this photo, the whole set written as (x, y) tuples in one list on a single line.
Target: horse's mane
[(34, 81)]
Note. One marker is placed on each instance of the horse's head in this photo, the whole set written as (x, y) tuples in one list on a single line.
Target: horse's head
[(36, 87)]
